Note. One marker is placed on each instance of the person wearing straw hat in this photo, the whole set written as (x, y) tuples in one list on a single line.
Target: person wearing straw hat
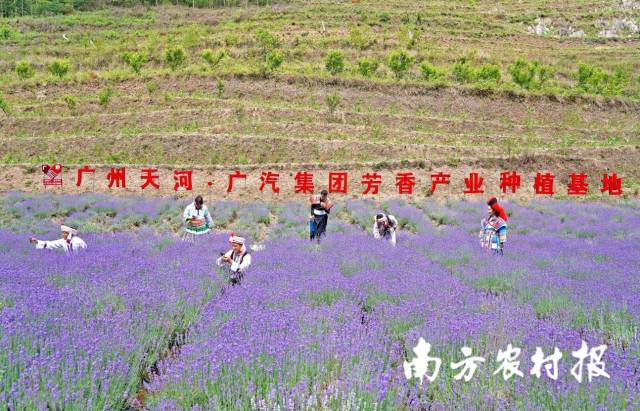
[(385, 226), (69, 241), (237, 260), (197, 218)]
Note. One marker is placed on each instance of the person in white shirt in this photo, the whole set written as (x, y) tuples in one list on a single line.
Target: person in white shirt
[(237, 260), (197, 218), (385, 226), (69, 242)]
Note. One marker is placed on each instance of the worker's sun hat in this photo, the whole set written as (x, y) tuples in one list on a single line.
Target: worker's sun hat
[(234, 239), (67, 229)]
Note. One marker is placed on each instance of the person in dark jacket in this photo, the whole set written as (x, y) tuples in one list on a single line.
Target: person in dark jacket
[(320, 209)]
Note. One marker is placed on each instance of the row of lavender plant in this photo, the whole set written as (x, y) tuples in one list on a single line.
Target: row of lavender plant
[(331, 334), (252, 348), (81, 332)]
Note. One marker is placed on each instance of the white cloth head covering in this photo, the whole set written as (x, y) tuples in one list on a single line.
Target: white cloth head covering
[(236, 239), (68, 229)]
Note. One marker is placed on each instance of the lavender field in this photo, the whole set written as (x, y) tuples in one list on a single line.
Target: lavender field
[(138, 320)]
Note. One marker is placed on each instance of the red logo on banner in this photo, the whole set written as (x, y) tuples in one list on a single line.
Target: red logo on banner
[(51, 174)]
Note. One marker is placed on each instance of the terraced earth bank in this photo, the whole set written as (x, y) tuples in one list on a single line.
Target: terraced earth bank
[(456, 108)]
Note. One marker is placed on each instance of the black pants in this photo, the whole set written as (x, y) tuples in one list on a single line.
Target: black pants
[(321, 226)]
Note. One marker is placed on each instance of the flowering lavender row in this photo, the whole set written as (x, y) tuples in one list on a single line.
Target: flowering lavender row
[(333, 335), (317, 327), (22, 212), (78, 333)]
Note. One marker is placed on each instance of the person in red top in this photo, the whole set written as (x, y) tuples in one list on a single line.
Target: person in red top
[(494, 226)]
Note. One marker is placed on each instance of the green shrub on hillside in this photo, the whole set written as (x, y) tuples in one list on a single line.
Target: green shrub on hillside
[(104, 96), (334, 62), (332, 100), (430, 72), (71, 102), (399, 62), (24, 70), (6, 33), (213, 57), (266, 41), (174, 57), (59, 68), (465, 73), (529, 75), (367, 67), (135, 60), (359, 38), (274, 60), (596, 80)]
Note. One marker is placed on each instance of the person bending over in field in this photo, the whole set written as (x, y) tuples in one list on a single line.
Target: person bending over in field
[(237, 260), (493, 231), (320, 209), (385, 226), (69, 242), (197, 219)]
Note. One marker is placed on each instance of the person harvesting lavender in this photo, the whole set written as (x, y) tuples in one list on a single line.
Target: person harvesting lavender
[(197, 218), (385, 226), (69, 241), (320, 209), (237, 260), (493, 231)]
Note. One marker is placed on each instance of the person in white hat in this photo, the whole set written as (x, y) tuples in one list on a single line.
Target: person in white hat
[(69, 241), (385, 226), (237, 260)]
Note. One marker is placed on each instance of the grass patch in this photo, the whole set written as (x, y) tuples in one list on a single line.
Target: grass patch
[(494, 285), (325, 297), (549, 305), (618, 327)]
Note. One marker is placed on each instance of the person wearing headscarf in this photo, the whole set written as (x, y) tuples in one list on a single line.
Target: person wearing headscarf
[(385, 226), (320, 209), (69, 242), (197, 219), (497, 208), (237, 260)]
